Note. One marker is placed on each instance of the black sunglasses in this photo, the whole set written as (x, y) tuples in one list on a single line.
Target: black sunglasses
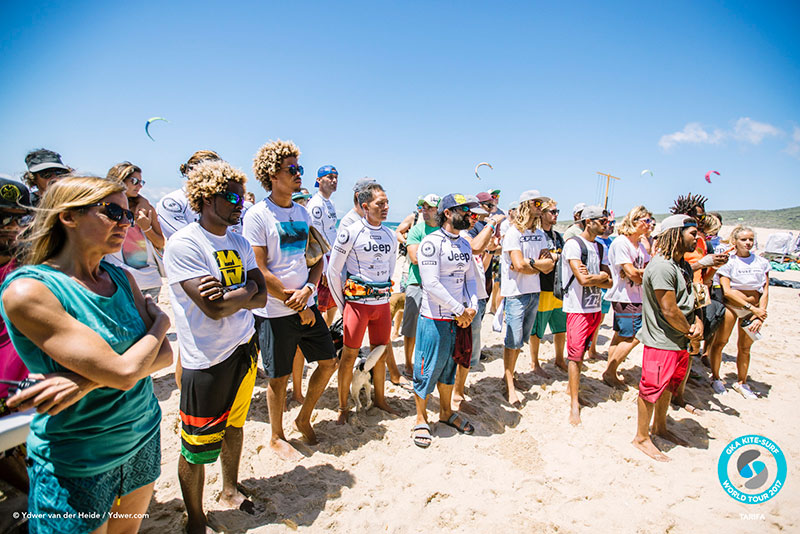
[(554, 212), (230, 196), (113, 211), (50, 173), (22, 219), (295, 170)]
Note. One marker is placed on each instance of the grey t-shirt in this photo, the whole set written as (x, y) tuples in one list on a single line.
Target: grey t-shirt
[(656, 332)]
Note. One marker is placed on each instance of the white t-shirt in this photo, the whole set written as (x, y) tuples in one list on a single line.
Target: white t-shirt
[(579, 299), (174, 212), (531, 244), (447, 273), (192, 252), (349, 218), (323, 216), (284, 232), (620, 252), (747, 274), (366, 251)]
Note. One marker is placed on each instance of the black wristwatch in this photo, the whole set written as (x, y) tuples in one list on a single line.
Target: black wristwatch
[(533, 264)]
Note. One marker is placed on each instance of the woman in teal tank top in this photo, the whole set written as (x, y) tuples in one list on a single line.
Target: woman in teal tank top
[(83, 327)]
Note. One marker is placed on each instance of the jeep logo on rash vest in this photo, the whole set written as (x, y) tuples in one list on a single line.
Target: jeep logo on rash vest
[(458, 256), (377, 247)]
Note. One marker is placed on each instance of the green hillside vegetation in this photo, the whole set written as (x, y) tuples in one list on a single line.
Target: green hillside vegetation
[(786, 218)]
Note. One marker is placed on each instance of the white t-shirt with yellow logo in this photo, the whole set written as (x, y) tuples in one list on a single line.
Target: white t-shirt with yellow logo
[(192, 252)]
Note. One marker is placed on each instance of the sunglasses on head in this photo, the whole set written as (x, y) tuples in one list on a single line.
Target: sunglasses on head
[(495, 196), (231, 197), (50, 173), (295, 170), (136, 181), (22, 219), (113, 211)]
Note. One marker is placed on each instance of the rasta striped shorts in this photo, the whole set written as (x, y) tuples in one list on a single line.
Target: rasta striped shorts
[(213, 399)]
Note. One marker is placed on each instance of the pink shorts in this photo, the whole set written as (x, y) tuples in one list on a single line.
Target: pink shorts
[(661, 369), (358, 317), (580, 329)]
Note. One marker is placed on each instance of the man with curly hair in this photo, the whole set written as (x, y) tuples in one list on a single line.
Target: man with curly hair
[(214, 283), (277, 229)]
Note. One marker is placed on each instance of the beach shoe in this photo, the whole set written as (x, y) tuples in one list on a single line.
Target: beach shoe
[(718, 386), (464, 428), (745, 391), (421, 434)]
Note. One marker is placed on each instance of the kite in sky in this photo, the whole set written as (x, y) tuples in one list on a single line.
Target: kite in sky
[(708, 175), (150, 121), (478, 165)]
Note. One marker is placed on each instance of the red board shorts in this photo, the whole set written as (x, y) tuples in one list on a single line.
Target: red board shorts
[(580, 329), (358, 317), (325, 300), (661, 369)]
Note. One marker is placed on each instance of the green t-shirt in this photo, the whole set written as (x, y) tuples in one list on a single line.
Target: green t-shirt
[(415, 236), (665, 274), (108, 426)]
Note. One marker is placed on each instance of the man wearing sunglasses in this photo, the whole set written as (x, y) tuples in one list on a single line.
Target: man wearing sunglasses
[(278, 229), (323, 217), (214, 283), (44, 167), (583, 275), (366, 251)]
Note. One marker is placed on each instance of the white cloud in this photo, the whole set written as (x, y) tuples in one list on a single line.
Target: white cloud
[(745, 130), (692, 133), (793, 148), (750, 131)]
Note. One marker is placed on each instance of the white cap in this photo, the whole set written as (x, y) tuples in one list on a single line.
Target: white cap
[(530, 194)]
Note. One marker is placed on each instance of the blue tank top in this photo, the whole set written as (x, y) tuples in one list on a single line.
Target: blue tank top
[(108, 426)]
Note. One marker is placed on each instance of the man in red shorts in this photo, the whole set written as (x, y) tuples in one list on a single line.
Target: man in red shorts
[(584, 273), (669, 322), (368, 250)]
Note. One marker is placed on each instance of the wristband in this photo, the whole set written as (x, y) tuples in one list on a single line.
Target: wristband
[(148, 229), (748, 306), (312, 286)]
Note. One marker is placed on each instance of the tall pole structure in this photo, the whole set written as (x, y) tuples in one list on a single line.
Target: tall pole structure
[(608, 182)]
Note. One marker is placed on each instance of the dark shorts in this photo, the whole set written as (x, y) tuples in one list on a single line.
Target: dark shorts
[(279, 338), (81, 504), (213, 399), (627, 318), (411, 312)]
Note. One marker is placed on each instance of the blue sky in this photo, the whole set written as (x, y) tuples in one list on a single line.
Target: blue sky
[(416, 93)]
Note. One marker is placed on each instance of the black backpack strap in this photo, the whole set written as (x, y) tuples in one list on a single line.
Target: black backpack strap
[(584, 258)]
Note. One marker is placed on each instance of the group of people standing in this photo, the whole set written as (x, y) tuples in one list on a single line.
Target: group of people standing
[(248, 278)]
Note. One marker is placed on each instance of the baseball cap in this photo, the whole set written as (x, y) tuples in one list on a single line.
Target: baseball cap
[(14, 194), (300, 195), (431, 200), (478, 210), (578, 208), (325, 170), (513, 205), (455, 199), (493, 191), (483, 196), (530, 194), (363, 183), (676, 221), (42, 159), (593, 212)]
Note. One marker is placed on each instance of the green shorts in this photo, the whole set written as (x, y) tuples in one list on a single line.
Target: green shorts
[(550, 313)]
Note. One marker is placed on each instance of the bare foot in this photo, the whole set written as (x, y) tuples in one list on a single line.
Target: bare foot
[(344, 417), (537, 370), (401, 381), (575, 416), (304, 427), (285, 451), (513, 399), (594, 355), (462, 405), (614, 381), (561, 364), (669, 436), (386, 408), (237, 501), (647, 447)]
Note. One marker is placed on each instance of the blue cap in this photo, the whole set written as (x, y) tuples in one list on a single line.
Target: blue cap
[(456, 199), (325, 170)]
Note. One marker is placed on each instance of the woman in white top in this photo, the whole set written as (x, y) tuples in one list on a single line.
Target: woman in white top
[(745, 284), (144, 240)]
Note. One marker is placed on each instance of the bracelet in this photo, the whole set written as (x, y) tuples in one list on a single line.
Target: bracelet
[(312, 286), (148, 229)]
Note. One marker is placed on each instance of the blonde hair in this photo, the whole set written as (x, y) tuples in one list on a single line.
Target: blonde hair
[(45, 237), (739, 229), (197, 157), (526, 218), (669, 241), (122, 171), (711, 224), (628, 224), (209, 178), (269, 158)]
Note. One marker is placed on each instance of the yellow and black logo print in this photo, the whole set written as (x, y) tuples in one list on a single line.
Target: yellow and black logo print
[(230, 267)]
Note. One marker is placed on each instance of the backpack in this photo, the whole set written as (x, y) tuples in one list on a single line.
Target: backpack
[(559, 288)]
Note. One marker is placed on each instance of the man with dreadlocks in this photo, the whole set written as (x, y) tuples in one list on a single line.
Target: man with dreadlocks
[(704, 267), (669, 323)]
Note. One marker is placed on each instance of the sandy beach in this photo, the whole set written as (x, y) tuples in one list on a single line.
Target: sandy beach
[(524, 469)]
